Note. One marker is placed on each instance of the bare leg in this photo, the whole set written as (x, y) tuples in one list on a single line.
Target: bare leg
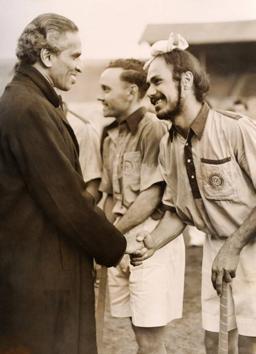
[(247, 345), (211, 342), (151, 340)]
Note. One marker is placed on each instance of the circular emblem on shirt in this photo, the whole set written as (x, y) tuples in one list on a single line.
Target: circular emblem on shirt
[(216, 180)]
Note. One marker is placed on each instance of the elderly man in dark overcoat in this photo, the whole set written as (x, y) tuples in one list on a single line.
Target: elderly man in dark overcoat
[(50, 230)]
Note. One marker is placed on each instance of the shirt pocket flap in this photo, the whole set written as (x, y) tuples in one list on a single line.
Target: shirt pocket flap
[(218, 179)]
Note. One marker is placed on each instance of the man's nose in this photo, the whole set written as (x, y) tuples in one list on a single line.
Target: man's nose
[(79, 66), (151, 91)]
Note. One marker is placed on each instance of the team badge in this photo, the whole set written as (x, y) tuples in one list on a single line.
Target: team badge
[(216, 180)]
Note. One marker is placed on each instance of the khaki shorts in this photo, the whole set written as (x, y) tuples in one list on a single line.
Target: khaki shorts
[(152, 293), (242, 309)]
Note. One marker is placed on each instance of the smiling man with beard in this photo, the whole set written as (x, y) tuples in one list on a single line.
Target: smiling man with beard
[(208, 162)]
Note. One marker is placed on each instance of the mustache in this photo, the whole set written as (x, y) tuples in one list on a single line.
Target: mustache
[(155, 98)]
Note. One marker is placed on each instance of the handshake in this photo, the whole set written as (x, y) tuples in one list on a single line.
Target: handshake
[(140, 246)]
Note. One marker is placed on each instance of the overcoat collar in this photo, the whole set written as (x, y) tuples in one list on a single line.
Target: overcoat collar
[(41, 82)]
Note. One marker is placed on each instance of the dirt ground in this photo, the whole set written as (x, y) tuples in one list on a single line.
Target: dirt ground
[(184, 336)]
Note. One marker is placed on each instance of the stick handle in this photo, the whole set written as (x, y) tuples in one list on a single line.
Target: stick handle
[(223, 332), (100, 309)]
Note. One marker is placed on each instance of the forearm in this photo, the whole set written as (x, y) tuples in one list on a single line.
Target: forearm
[(141, 209), (226, 262), (244, 234), (167, 230)]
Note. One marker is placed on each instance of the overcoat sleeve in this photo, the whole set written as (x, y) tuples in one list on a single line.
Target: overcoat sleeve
[(43, 156)]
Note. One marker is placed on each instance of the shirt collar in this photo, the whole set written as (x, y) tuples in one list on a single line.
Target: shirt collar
[(132, 122), (41, 82), (133, 119), (197, 125)]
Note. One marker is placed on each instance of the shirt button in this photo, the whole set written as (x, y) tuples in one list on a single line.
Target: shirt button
[(186, 144), (188, 160), (192, 176)]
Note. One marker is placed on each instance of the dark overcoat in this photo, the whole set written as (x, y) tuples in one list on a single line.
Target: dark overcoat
[(50, 230)]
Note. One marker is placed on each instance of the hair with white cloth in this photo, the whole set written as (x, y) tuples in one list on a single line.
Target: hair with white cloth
[(175, 41), (174, 53)]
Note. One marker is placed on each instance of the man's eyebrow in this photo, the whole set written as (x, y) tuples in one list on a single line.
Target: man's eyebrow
[(153, 79)]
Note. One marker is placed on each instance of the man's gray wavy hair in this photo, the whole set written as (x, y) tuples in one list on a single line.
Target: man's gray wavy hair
[(42, 32)]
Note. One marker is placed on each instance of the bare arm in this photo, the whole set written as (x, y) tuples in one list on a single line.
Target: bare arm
[(167, 230), (132, 243), (226, 261), (141, 209)]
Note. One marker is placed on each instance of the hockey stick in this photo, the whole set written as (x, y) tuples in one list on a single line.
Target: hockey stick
[(100, 308), (223, 331)]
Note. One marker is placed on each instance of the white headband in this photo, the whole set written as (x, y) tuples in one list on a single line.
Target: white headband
[(175, 41)]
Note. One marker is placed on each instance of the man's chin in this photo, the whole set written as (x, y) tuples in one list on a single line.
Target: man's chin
[(107, 114), (168, 115), (66, 87), (164, 115)]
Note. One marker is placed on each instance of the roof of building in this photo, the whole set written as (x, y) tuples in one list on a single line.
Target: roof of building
[(203, 33)]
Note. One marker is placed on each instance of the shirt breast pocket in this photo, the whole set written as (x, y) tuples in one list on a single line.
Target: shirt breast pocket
[(218, 179), (131, 170)]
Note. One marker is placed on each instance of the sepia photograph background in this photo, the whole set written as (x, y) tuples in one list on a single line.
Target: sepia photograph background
[(221, 33)]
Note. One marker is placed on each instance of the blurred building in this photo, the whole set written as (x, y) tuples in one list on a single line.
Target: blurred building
[(226, 49)]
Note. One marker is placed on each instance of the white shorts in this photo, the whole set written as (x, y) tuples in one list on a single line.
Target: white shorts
[(152, 293), (242, 309)]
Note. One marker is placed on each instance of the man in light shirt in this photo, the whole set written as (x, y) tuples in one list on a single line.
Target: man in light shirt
[(152, 293), (208, 162)]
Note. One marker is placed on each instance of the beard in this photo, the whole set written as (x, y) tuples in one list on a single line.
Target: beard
[(171, 113)]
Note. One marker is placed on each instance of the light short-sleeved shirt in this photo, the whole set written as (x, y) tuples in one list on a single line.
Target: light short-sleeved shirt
[(211, 176), (89, 147), (130, 158)]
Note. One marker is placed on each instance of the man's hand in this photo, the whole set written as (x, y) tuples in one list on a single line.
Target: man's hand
[(224, 266), (147, 251), (133, 245), (139, 256)]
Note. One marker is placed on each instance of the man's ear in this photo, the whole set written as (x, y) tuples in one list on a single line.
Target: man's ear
[(134, 89), (46, 57), (187, 80)]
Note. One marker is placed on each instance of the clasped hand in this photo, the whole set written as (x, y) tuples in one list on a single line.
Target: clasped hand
[(138, 247)]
